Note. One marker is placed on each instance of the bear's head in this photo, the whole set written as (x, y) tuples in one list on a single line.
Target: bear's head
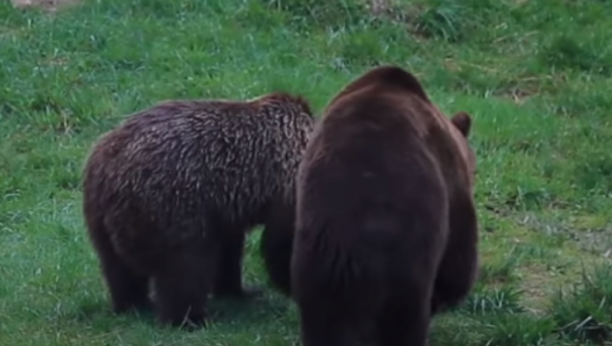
[(462, 122)]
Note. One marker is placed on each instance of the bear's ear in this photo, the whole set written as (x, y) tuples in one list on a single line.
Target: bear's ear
[(463, 122)]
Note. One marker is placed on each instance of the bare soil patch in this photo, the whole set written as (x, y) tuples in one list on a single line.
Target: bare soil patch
[(49, 5)]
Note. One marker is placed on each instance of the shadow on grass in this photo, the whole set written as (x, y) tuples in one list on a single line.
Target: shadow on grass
[(226, 314)]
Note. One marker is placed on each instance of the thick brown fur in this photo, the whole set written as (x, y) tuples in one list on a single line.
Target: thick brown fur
[(386, 232), (170, 194)]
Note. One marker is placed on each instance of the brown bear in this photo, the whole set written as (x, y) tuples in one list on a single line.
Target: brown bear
[(386, 228), (170, 194)]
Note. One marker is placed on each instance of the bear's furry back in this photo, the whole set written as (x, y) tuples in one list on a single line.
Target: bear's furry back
[(181, 162)]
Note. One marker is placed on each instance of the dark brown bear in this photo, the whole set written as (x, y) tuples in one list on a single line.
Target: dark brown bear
[(386, 226), (171, 192)]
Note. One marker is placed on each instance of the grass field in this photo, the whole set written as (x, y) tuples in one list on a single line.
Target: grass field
[(535, 75)]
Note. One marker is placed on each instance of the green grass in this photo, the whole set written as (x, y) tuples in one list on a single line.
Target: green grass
[(535, 75)]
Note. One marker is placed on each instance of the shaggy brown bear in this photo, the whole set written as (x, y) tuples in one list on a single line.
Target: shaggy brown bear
[(386, 227), (170, 193)]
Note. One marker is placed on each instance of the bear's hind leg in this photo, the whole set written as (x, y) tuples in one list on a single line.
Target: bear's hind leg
[(404, 323), (228, 278), (322, 327), (276, 246), (128, 289), (182, 288), (458, 269)]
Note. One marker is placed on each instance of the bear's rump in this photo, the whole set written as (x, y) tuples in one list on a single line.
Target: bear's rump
[(147, 238)]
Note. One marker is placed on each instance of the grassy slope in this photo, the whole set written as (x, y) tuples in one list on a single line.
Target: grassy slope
[(534, 74)]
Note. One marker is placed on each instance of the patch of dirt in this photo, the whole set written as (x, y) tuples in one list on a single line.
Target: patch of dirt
[(48, 5), (378, 7)]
